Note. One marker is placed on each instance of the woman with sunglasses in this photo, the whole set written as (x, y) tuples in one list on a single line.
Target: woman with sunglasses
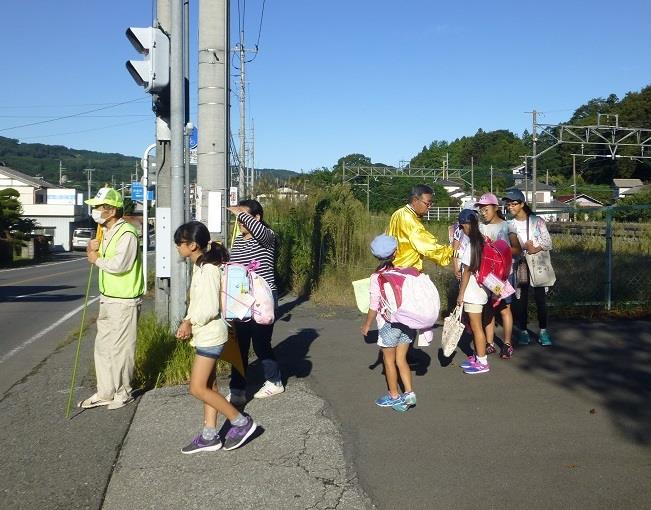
[(534, 237)]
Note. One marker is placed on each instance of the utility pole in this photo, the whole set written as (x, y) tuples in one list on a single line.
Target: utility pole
[(472, 177), (491, 178), (212, 152), (252, 157), (242, 176), (61, 169), (178, 276), (163, 187), (574, 183), (534, 167), (89, 173), (188, 126)]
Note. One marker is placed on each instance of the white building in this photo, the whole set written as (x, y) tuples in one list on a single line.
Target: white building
[(57, 210), (625, 187)]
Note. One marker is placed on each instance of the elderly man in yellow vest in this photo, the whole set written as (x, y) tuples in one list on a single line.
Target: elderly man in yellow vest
[(121, 286), (414, 242)]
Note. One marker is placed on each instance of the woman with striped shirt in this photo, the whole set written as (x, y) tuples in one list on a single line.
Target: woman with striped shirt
[(256, 241)]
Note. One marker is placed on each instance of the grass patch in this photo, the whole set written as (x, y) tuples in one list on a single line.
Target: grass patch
[(161, 360)]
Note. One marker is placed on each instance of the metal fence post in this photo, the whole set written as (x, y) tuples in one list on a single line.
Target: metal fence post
[(609, 256)]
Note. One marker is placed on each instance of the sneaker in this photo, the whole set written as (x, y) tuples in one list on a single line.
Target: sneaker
[(409, 398), (544, 338), (93, 401), (523, 337), (236, 436), (269, 389), (199, 444), (477, 368), (237, 398), (119, 402), (470, 361), (490, 349), (401, 408), (389, 401), (506, 352)]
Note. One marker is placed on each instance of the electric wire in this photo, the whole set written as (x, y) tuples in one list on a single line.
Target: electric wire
[(85, 130), (72, 115)]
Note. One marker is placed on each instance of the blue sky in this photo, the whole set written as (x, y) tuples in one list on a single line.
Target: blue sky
[(382, 78)]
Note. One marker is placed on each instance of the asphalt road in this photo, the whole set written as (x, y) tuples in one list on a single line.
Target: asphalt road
[(40, 307), (561, 427)]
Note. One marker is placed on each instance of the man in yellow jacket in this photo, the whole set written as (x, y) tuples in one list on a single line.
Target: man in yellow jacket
[(414, 241), (121, 286)]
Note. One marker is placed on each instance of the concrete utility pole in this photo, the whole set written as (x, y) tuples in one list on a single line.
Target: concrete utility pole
[(212, 150), (163, 191), (188, 128), (243, 177), (252, 158), (89, 173), (178, 276), (61, 169), (472, 177)]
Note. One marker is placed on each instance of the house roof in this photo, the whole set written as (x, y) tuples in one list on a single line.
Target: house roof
[(27, 179), (540, 186), (627, 183), (570, 198)]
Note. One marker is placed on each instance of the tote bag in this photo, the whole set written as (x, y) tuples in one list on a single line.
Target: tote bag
[(452, 331), (541, 271)]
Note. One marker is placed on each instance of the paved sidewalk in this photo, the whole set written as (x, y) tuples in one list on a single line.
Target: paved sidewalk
[(296, 462)]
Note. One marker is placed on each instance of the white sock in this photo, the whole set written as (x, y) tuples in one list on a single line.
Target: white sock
[(483, 360)]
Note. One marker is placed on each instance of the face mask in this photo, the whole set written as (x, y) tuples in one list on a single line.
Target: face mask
[(97, 216)]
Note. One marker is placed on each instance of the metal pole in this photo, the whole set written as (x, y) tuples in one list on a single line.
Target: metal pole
[(609, 256), (242, 178), (178, 287), (368, 192), (574, 181), (491, 178), (145, 209), (252, 156)]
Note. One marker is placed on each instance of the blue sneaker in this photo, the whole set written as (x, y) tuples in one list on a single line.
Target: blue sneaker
[(477, 368), (401, 408), (523, 338), (468, 362), (544, 338), (389, 401)]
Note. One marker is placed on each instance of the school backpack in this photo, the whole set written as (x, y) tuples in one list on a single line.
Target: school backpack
[(245, 294), (496, 258), (408, 297)]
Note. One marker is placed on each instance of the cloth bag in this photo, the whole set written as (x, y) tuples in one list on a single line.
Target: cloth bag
[(541, 271), (362, 296), (452, 331), (522, 273)]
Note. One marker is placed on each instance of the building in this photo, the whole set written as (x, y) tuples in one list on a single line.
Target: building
[(544, 192), (283, 193), (625, 187), (583, 202), (57, 210)]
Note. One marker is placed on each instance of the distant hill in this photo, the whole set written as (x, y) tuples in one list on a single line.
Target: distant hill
[(42, 160)]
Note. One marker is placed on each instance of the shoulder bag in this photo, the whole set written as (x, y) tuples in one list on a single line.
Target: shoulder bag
[(452, 331)]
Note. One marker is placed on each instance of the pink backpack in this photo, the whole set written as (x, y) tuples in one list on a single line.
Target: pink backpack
[(245, 294), (408, 297), (495, 258)]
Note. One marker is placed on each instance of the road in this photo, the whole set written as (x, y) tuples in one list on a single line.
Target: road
[(41, 307)]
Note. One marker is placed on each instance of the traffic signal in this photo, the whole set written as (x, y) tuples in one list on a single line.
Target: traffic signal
[(153, 72)]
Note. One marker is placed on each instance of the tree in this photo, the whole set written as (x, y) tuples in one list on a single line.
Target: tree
[(10, 210)]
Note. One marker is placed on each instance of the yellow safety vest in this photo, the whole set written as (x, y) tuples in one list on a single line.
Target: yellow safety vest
[(125, 285)]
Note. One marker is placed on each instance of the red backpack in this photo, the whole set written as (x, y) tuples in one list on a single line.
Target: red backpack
[(496, 258)]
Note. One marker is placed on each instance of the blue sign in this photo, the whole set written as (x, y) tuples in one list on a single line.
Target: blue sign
[(150, 195), (194, 138), (137, 191)]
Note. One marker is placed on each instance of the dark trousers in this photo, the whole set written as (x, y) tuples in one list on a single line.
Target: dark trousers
[(523, 306), (259, 335)]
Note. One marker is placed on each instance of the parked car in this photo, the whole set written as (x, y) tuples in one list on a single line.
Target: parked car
[(81, 236)]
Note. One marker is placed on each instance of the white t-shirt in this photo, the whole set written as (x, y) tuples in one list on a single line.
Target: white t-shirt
[(475, 293), (520, 227)]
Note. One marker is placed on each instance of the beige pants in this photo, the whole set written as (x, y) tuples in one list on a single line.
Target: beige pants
[(115, 347)]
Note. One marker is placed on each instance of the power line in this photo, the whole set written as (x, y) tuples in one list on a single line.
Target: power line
[(85, 130), (83, 116), (72, 115)]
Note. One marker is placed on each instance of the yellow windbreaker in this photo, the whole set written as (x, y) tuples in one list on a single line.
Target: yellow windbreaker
[(414, 242)]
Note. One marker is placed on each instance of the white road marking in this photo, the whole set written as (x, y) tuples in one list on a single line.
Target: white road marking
[(36, 266), (45, 331)]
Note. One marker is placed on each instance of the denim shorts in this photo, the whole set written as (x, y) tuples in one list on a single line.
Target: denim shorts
[(390, 335), (213, 352)]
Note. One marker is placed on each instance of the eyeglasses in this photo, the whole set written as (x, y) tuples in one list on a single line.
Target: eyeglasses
[(427, 204), (511, 204)]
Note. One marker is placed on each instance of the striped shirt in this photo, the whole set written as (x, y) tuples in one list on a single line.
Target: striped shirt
[(261, 247)]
